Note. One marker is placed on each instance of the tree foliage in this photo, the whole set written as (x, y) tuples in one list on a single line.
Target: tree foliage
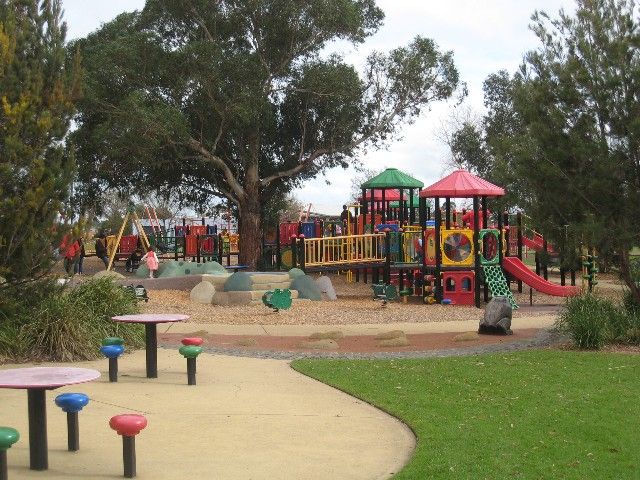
[(234, 99), (565, 129), (37, 93)]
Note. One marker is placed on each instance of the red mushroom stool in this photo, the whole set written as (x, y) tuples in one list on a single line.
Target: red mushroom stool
[(190, 350), (8, 436), (71, 404), (128, 425)]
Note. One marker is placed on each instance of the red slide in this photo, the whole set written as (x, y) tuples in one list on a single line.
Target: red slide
[(519, 270), (536, 243)]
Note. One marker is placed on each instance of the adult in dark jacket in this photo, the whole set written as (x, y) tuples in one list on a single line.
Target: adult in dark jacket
[(101, 250)]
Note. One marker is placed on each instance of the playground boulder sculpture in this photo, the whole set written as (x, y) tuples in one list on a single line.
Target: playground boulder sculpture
[(307, 288), (326, 287), (203, 293), (497, 317)]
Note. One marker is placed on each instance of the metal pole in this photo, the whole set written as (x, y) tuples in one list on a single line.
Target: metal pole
[(73, 432), (37, 405), (151, 350), (113, 369), (438, 269), (476, 225), (129, 456), (191, 371)]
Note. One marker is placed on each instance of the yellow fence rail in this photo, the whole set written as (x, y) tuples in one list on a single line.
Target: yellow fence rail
[(344, 250)]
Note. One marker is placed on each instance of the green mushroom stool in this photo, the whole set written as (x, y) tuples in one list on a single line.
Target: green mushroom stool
[(191, 352), (8, 436)]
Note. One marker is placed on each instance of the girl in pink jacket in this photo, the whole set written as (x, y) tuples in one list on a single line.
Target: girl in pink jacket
[(152, 261)]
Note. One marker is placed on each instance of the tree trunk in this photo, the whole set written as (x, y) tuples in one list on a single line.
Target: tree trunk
[(250, 228)]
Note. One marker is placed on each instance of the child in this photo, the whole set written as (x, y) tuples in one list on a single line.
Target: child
[(133, 262), (152, 261)]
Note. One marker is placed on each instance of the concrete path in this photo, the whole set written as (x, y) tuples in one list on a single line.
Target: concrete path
[(246, 419), (538, 321)]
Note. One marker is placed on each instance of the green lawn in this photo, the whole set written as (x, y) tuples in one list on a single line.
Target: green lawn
[(535, 414)]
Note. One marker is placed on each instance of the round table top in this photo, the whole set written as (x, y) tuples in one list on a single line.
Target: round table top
[(45, 377), (151, 318)]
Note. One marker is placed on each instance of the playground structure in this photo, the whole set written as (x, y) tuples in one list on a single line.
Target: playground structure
[(187, 241), (445, 256)]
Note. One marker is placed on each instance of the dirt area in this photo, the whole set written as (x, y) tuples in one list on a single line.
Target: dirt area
[(352, 344), (354, 306)]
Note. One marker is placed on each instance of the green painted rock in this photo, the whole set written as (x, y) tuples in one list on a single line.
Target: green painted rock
[(238, 282), (190, 351), (213, 267), (307, 288), (8, 436), (112, 341), (295, 273), (142, 271)]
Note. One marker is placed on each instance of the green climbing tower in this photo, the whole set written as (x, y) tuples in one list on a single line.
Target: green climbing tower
[(497, 282)]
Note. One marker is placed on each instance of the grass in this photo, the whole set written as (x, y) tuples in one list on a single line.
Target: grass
[(536, 414)]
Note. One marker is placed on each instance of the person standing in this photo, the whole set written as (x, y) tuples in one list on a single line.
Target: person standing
[(101, 250), (77, 266), (152, 261), (71, 253)]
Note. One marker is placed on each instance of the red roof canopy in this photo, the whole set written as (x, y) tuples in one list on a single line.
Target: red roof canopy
[(462, 184), (389, 195)]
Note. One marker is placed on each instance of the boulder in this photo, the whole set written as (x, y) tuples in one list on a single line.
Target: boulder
[(497, 317), (326, 287), (326, 344), (331, 335), (295, 273), (394, 342), (390, 335), (238, 282), (306, 288), (143, 271), (213, 267), (203, 293)]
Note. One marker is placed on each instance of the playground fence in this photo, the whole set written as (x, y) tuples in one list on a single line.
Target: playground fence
[(368, 248)]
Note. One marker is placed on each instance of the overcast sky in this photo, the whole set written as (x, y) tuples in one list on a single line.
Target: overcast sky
[(485, 36)]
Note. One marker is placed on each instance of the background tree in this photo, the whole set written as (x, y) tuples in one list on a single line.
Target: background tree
[(567, 127), (233, 99), (37, 93)]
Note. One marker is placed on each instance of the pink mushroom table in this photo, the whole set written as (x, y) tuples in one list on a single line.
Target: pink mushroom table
[(150, 320), (37, 381)]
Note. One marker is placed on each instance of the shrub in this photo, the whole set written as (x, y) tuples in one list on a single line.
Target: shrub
[(585, 319), (46, 321)]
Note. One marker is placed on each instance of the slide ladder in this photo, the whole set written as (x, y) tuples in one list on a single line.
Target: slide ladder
[(494, 276)]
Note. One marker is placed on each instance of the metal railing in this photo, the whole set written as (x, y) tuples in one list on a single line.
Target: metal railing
[(368, 248)]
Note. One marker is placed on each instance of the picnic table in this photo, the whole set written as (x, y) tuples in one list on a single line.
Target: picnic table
[(150, 321), (37, 380)]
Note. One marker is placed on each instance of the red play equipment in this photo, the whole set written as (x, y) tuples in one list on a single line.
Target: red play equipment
[(520, 271)]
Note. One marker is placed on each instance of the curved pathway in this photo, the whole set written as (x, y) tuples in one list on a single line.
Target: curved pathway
[(246, 419)]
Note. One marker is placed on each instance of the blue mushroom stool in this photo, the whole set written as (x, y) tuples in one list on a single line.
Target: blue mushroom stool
[(112, 352), (8, 436), (72, 403)]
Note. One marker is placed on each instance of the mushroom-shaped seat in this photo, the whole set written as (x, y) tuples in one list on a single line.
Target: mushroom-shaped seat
[(113, 341), (190, 351), (197, 341), (112, 351), (72, 402), (8, 436), (128, 424)]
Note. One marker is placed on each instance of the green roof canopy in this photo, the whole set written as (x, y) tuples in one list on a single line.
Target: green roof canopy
[(392, 178), (396, 203)]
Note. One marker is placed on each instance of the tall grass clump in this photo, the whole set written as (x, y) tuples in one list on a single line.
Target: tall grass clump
[(586, 320), (45, 321)]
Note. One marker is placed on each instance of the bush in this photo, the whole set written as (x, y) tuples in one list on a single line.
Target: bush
[(45, 321), (586, 320)]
